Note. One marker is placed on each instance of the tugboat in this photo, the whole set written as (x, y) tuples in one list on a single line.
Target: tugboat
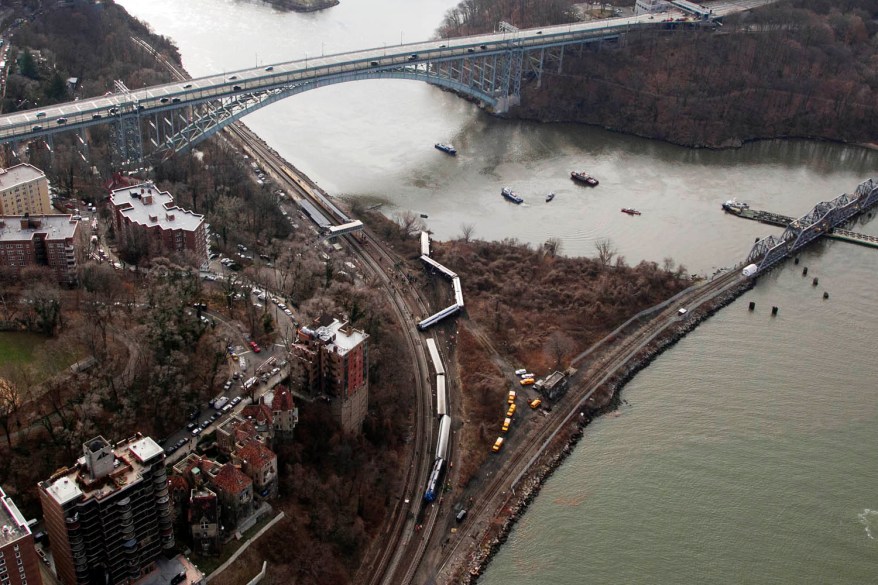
[(510, 195), (446, 148), (735, 206), (630, 211), (549, 197), (584, 177)]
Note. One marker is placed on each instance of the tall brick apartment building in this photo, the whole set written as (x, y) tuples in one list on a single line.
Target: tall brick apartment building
[(43, 240), (335, 362), (109, 517), (142, 211), (19, 564), (24, 189)]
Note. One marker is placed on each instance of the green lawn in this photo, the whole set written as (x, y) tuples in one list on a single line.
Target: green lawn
[(19, 347)]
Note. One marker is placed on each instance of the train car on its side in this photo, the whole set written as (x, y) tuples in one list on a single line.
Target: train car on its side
[(434, 484), (434, 356), (435, 318), (425, 244), (449, 274), (458, 292)]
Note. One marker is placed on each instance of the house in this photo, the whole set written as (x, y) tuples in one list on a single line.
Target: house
[(235, 493), (204, 521), (260, 464), (284, 412)]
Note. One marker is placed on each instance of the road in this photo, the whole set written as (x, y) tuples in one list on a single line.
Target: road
[(397, 552), (387, 558)]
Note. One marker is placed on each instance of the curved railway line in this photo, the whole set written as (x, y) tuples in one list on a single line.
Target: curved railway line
[(400, 546), (499, 491), (405, 303), (391, 551)]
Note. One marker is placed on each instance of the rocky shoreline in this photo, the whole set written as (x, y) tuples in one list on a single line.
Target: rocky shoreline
[(530, 487)]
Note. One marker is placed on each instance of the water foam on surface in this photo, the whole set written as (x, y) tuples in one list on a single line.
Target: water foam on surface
[(867, 518)]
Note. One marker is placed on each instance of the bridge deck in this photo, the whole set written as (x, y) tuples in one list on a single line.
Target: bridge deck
[(784, 220)]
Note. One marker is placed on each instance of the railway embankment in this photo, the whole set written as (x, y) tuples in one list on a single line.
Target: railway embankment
[(609, 400)]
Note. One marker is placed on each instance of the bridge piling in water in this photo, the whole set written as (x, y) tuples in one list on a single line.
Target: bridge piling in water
[(823, 220)]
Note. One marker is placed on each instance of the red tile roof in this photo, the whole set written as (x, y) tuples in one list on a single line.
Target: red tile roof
[(255, 454), (231, 480), (260, 413), (178, 483), (283, 400)]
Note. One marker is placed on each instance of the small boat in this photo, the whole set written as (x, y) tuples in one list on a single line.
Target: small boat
[(424, 215), (584, 177), (735, 206), (549, 197), (630, 211), (510, 195), (447, 148)]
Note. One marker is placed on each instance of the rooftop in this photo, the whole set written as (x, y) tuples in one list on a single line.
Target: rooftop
[(56, 227), (131, 457), (144, 204), (18, 175), (12, 524), (339, 338), (259, 413), (283, 399), (255, 454), (231, 480)]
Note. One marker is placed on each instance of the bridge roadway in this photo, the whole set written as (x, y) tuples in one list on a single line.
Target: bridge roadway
[(784, 220), (401, 61)]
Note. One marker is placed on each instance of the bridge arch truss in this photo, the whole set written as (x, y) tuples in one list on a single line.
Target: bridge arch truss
[(823, 218)]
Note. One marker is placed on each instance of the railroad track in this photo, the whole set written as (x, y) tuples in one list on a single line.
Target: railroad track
[(499, 490), (405, 305), (394, 548)]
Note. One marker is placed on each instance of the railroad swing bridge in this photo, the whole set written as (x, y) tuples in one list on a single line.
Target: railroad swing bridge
[(825, 217), (173, 117)]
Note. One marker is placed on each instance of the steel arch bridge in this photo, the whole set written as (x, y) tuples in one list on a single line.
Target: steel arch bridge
[(823, 217), (173, 117)]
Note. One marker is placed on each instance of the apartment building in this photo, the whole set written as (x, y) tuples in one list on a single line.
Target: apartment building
[(109, 516), (24, 189), (40, 240), (144, 215), (19, 563), (335, 362)]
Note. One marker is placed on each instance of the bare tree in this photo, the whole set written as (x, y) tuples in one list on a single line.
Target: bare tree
[(466, 231), (558, 346), (668, 264), (553, 247), (409, 224), (10, 402), (606, 251)]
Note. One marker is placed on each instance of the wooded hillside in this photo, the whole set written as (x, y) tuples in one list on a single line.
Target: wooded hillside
[(800, 68)]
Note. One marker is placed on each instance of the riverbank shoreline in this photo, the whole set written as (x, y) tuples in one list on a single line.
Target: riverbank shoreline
[(531, 484)]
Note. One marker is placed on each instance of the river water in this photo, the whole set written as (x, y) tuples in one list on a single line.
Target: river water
[(745, 454)]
